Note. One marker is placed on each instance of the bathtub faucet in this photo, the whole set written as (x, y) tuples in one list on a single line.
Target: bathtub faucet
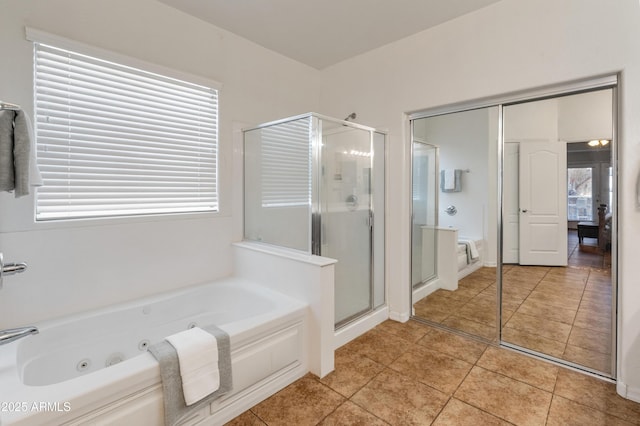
[(11, 334)]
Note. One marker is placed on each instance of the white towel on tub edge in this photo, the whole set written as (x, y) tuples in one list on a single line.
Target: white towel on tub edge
[(198, 358)]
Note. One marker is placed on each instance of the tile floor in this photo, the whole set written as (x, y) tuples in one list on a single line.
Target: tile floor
[(415, 374), (561, 311)]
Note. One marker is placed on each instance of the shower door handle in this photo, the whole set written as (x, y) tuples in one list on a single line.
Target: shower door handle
[(316, 234)]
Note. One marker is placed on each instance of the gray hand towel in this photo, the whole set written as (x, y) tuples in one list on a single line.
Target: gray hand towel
[(18, 168), (21, 152), (175, 407), (7, 173)]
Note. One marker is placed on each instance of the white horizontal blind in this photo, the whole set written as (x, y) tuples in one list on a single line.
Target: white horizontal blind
[(114, 140), (286, 164)]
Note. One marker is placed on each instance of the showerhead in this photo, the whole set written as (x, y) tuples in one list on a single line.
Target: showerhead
[(351, 116)]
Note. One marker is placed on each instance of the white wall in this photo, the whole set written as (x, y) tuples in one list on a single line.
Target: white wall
[(575, 118), (585, 116), (80, 266), (510, 46), (531, 121)]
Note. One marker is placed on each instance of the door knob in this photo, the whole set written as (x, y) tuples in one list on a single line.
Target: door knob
[(524, 210)]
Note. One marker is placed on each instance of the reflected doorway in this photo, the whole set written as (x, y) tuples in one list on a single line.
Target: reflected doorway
[(557, 282), (548, 214)]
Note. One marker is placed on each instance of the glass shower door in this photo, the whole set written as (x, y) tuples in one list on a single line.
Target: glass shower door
[(345, 212), (424, 213)]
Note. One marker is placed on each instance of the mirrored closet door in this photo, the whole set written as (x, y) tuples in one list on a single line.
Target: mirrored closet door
[(558, 209), (453, 238), (514, 222)]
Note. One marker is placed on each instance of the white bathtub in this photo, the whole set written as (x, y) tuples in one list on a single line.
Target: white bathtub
[(464, 267), (94, 368)]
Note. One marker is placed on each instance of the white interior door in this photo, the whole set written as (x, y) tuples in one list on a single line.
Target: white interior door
[(511, 224), (543, 203)]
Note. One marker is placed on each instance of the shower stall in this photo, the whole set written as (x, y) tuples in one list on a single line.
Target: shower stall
[(316, 184)]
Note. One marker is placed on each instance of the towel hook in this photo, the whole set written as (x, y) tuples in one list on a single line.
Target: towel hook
[(9, 106)]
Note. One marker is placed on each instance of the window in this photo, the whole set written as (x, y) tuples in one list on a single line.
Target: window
[(286, 164), (580, 193), (113, 140)]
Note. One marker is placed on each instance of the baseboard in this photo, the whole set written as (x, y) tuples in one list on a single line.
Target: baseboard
[(360, 326), (470, 269), (625, 391), (399, 316), (425, 290)]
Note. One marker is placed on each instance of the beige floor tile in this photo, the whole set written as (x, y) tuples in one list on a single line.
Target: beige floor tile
[(588, 320), (568, 281), (560, 290), (531, 271), (442, 301), (506, 315), (477, 284), (479, 311), (458, 413), (501, 396), (471, 327), (486, 273), (553, 330), (410, 330), (596, 360), (379, 345), (429, 313), (569, 273), (352, 372), (594, 307), (597, 283), (519, 282), (246, 419), (543, 310), (451, 344), (488, 295), (554, 300), (507, 267), (533, 342), (597, 296), (564, 412), (520, 367), (512, 302), (596, 394), (352, 415), (604, 288), (463, 294), (516, 294), (304, 402), (432, 368), (591, 340), (400, 400)]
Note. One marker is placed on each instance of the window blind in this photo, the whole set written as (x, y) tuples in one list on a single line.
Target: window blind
[(114, 140), (286, 164)]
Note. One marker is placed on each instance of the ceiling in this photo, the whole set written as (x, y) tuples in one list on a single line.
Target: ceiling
[(321, 33)]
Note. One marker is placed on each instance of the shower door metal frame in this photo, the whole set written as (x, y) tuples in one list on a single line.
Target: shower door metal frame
[(411, 212), (607, 81)]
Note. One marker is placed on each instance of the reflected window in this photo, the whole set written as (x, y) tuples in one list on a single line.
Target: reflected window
[(580, 193)]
